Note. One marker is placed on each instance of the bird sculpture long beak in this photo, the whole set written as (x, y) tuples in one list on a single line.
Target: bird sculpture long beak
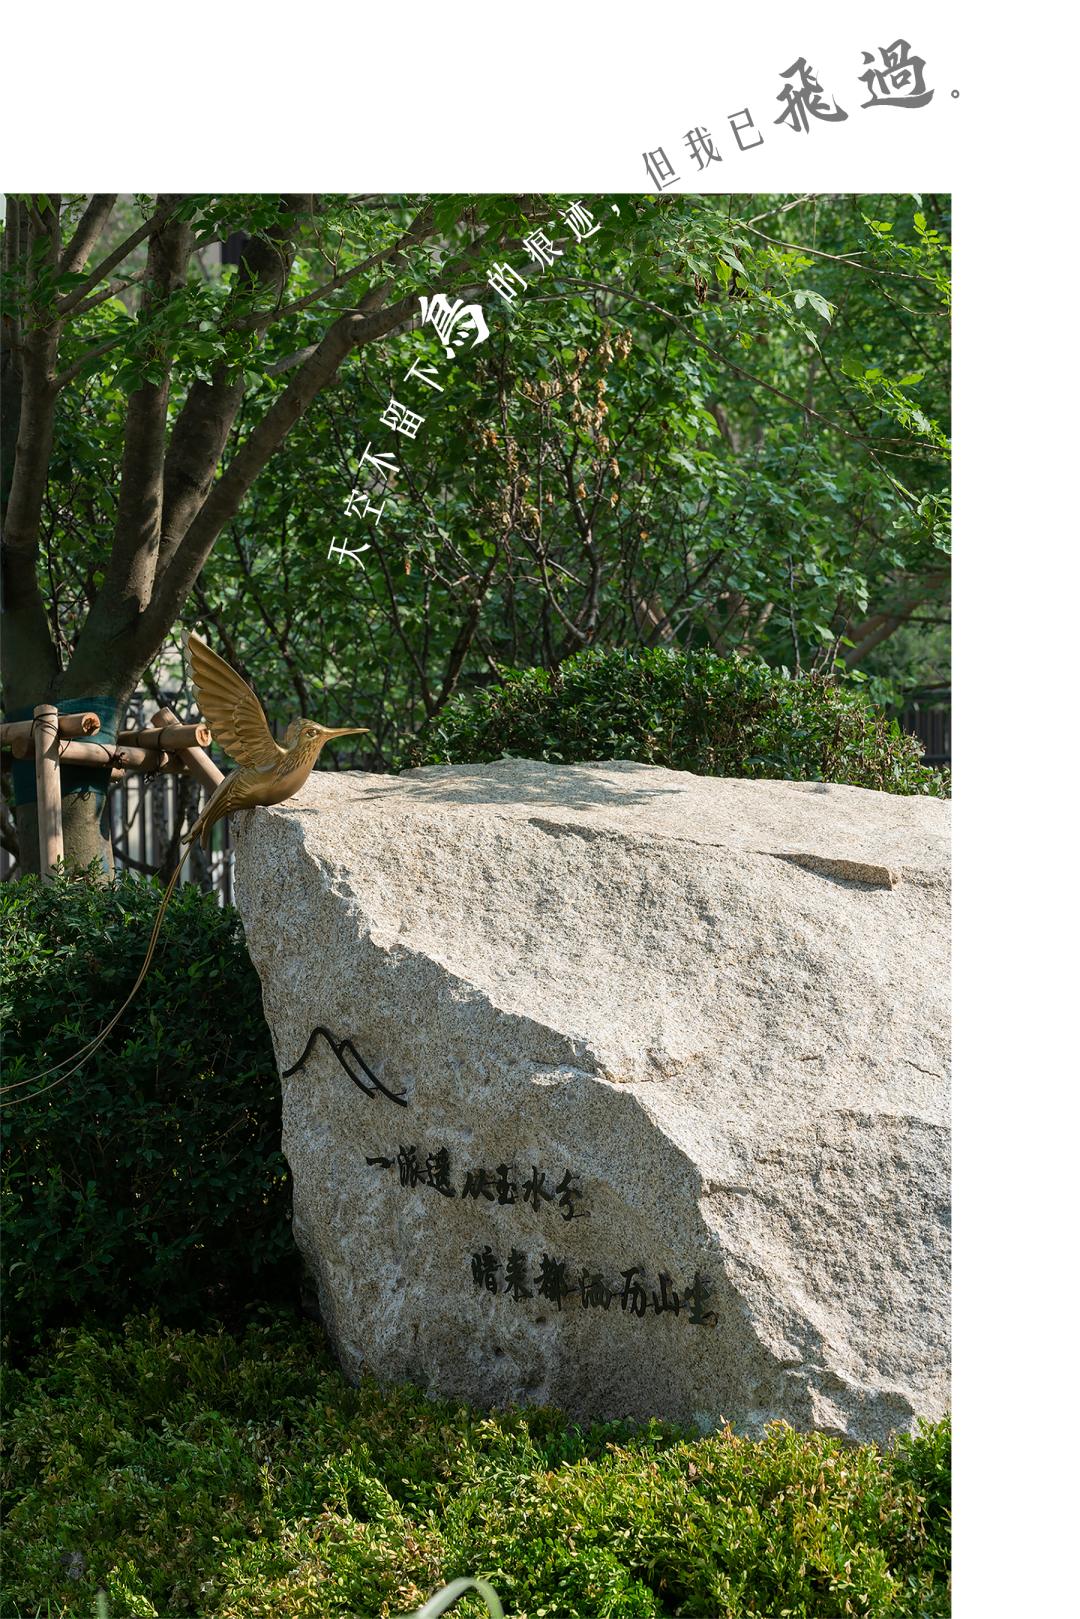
[(349, 730)]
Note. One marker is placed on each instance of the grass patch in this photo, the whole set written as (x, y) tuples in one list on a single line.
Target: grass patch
[(206, 1474)]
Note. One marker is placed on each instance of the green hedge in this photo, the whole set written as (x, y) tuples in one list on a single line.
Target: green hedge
[(209, 1475), (687, 711), (154, 1176)]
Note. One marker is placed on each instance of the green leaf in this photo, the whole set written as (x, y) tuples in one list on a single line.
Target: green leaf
[(824, 309), (69, 280)]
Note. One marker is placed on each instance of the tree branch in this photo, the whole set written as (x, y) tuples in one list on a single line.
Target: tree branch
[(584, 623), (223, 500), (290, 362), (26, 421), (199, 435), (196, 445), (73, 303), (201, 431), (131, 864), (175, 576), (31, 659), (89, 228), (112, 291), (695, 584), (129, 575), (33, 449), (877, 629), (16, 233), (422, 227), (278, 632), (851, 264), (460, 649), (430, 706), (746, 223), (91, 354)]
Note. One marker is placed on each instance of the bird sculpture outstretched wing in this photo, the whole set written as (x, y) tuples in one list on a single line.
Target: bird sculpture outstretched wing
[(230, 708)]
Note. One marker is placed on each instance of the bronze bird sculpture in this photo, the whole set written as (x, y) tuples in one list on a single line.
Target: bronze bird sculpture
[(267, 774)]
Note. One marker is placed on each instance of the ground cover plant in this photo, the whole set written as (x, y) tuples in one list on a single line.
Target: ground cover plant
[(205, 1474), (689, 711), (154, 1175)]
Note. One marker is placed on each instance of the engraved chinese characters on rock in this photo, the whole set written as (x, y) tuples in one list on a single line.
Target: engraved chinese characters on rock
[(485, 1270), (552, 1281), (593, 1290), (513, 1273), (499, 1188)]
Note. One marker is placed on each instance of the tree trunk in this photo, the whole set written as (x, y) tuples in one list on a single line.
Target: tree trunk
[(83, 842), (171, 504)]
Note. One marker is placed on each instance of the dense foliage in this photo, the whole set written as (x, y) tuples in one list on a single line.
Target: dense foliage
[(202, 1475), (652, 448), (154, 1175), (715, 420), (686, 711)]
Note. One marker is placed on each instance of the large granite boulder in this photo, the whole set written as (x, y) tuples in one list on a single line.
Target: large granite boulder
[(649, 1110)]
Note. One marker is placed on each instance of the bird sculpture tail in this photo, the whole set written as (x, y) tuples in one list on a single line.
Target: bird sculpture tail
[(219, 805), (72, 1064)]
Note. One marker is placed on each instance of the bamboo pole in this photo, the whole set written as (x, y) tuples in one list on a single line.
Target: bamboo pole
[(199, 763), (78, 752), (68, 725), (47, 769), (167, 736), (172, 764), (175, 764)]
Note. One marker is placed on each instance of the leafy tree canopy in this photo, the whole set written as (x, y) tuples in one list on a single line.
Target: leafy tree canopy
[(712, 421)]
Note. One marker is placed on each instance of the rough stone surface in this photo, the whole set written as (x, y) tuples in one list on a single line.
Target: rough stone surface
[(722, 1004)]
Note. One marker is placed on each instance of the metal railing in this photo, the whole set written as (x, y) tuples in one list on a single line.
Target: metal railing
[(929, 717)]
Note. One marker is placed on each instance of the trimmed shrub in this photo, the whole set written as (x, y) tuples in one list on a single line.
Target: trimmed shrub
[(153, 1176), (209, 1475), (686, 711)]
